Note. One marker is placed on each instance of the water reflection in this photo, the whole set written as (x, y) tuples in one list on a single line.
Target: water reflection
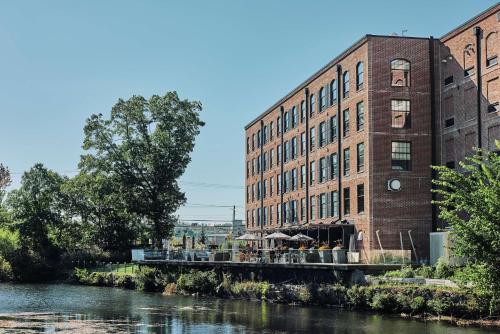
[(77, 309)]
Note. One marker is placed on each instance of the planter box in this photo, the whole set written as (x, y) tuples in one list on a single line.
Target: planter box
[(325, 256), (353, 257), (339, 255)]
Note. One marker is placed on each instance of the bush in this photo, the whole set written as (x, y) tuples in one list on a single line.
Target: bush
[(443, 269), (358, 296), (9, 243), (6, 273), (425, 271), (328, 294), (384, 301), (418, 304), (204, 282), (149, 279), (304, 294), (250, 289)]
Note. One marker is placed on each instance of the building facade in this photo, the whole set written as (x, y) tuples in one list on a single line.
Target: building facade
[(348, 152)]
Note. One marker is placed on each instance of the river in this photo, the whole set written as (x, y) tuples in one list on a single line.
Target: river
[(37, 308)]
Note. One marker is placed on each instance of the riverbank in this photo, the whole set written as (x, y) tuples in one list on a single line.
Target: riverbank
[(459, 306)]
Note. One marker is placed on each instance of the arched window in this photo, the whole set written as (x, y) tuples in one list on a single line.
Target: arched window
[(468, 61), (311, 104), (491, 52), (345, 84), (322, 99), (400, 73), (359, 76), (333, 91), (294, 117)]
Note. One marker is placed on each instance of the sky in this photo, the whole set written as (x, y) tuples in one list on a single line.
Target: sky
[(61, 61)]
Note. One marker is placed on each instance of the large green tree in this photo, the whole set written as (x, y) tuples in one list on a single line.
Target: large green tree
[(5, 181), (146, 146), (36, 208), (100, 215), (469, 201)]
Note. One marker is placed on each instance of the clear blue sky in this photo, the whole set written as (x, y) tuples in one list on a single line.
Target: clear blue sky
[(61, 61)]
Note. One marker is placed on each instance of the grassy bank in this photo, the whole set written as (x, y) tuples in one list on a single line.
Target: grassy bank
[(458, 305)]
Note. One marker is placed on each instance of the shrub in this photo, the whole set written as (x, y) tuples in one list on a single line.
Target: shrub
[(383, 301), (125, 281), (204, 282), (6, 273), (443, 269), (418, 304), (357, 296), (425, 271), (251, 289), (149, 279), (9, 242), (304, 294), (332, 294)]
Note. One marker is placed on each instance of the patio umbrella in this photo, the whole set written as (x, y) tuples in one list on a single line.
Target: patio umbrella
[(249, 237), (301, 237), (278, 236)]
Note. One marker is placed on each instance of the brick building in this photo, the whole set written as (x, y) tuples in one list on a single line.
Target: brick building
[(348, 152)]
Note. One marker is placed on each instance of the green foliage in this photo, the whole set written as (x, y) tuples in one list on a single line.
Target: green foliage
[(196, 281), (304, 294), (145, 146), (443, 270), (425, 271), (470, 203), (6, 273), (418, 304), (383, 301), (9, 242), (358, 296), (250, 289), (149, 279)]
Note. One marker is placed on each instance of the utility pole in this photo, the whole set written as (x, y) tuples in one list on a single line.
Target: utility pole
[(234, 213)]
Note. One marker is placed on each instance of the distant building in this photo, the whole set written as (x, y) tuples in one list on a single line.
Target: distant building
[(215, 233), (348, 151)]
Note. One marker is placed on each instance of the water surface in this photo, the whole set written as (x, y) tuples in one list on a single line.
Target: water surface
[(37, 308)]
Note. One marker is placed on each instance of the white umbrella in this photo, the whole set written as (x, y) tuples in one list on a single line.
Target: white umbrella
[(248, 236), (277, 236), (301, 237)]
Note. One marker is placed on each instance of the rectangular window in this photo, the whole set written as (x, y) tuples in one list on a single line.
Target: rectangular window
[(322, 170), (312, 138), (401, 114), (312, 213), (286, 149), (264, 191), (248, 145), (278, 149), (259, 137), (264, 134), (259, 160), (294, 117), (312, 172), (286, 184), (302, 111), (361, 157), (278, 125), (271, 157), (448, 80), (294, 147), (248, 194), (334, 166), (279, 184), (253, 192), (333, 128), (286, 118), (449, 122), (468, 72), (492, 61), (271, 215), (259, 190), (361, 198), (264, 221), (253, 217), (293, 209), (248, 169), (302, 176), (271, 186), (401, 155), (360, 116), (271, 130), (303, 143), (346, 122), (303, 209), (322, 206), (278, 214), (335, 203), (347, 161), (347, 201), (253, 142), (294, 179), (322, 134)]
